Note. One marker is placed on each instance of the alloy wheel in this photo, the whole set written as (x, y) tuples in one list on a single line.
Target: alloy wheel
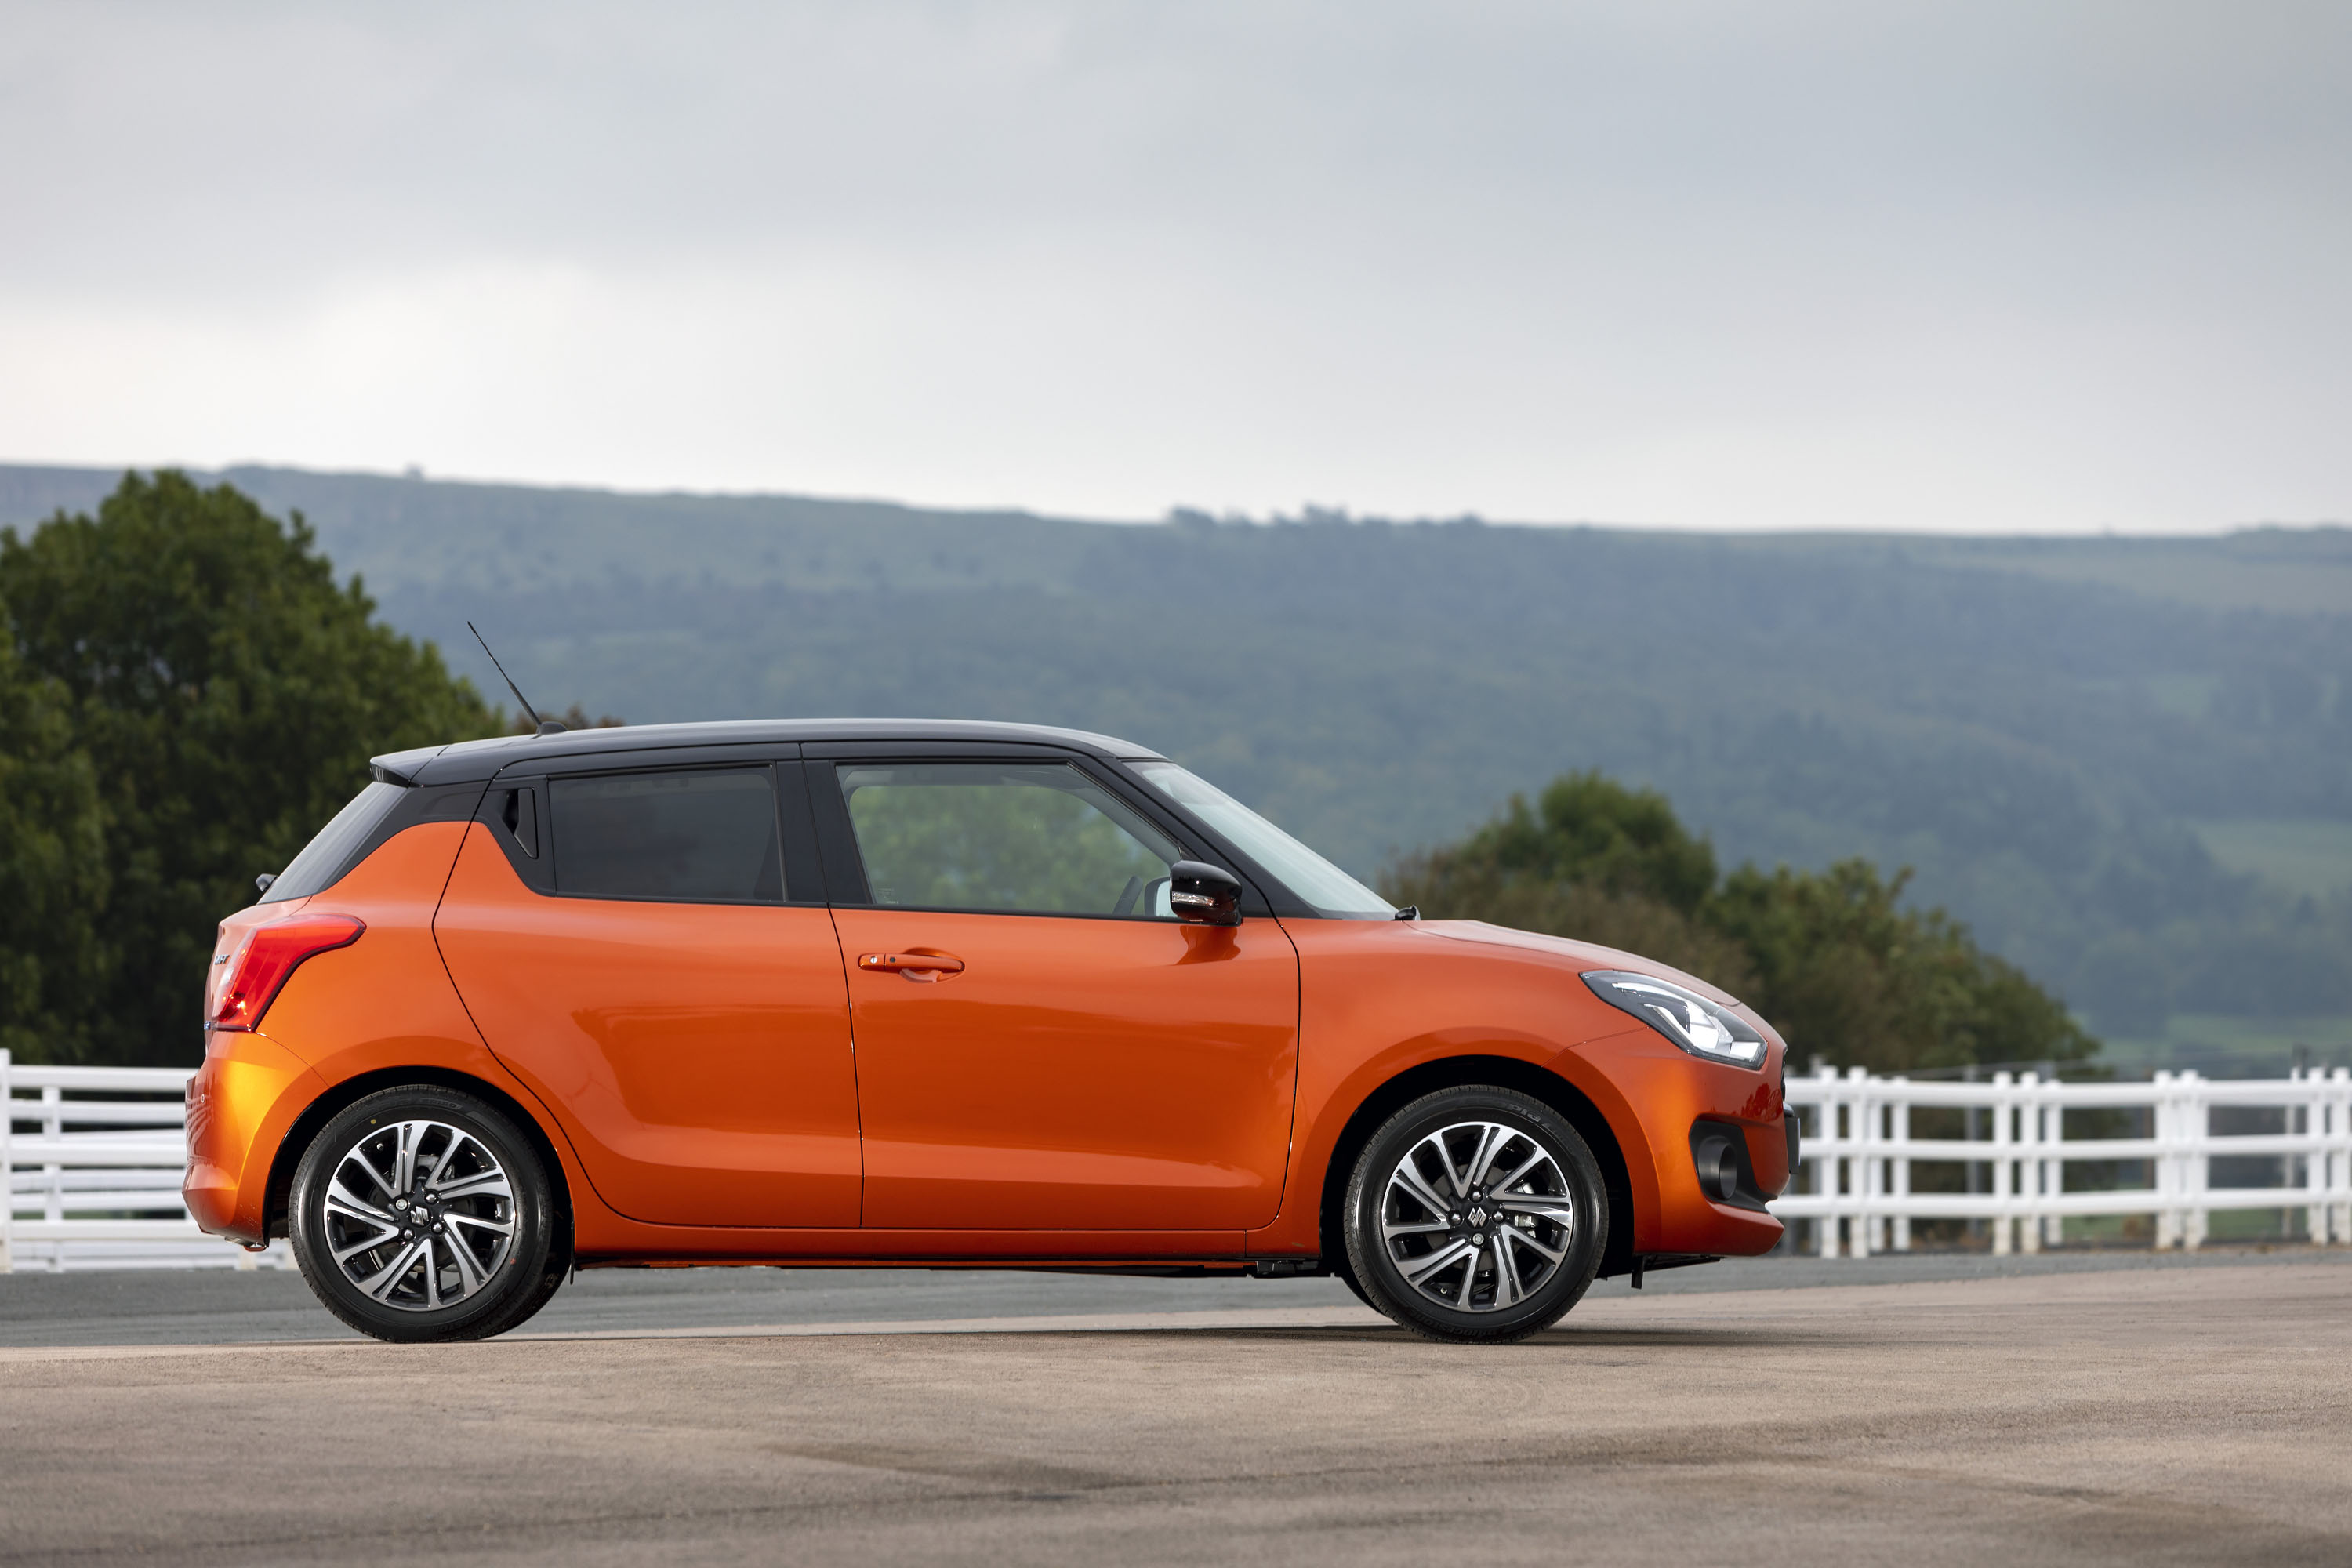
[(419, 1216), (1478, 1217)]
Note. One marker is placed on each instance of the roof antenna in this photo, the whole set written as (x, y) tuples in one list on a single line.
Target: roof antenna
[(546, 726)]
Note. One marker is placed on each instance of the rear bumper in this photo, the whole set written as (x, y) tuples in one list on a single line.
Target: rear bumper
[(240, 1105)]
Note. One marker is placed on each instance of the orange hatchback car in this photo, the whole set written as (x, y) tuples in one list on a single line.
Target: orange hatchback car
[(941, 994)]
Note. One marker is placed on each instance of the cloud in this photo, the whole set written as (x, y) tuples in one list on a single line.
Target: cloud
[(1990, 267)]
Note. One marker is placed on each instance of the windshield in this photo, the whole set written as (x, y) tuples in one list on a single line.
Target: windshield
[(1325, 888)]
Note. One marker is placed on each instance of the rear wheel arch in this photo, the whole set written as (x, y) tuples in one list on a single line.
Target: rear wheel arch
[(1504, 1072), (323, 1110)]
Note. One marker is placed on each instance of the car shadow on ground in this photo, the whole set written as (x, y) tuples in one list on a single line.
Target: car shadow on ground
[(1566, 1337)]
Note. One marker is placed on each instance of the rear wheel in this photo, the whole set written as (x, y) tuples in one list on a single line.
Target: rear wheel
[(1476, 1214), (421, 1214)]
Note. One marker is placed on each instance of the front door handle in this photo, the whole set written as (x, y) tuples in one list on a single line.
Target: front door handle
[(927, 966)]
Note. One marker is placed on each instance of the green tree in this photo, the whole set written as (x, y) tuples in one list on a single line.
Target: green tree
[(1829, 957), (1588, 828), (1842, 972), (52, 871), (1591, 859), (227, 694), (1457, 884)]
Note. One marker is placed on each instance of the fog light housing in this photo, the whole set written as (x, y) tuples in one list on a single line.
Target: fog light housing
[(1723, 1178), (1719, 1156)]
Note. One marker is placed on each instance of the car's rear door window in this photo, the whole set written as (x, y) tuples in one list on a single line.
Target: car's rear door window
[(686, 835), (1011, 838)]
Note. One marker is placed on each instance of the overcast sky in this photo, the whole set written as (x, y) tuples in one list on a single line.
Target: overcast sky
[(1982, 267)]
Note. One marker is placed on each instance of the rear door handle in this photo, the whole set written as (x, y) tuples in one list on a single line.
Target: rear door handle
[(913, 965)]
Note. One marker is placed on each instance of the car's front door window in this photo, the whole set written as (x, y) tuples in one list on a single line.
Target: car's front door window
[(1009, 838)]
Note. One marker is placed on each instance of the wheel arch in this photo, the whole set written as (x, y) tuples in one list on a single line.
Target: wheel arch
[(1503, 1072), (351, 1091)]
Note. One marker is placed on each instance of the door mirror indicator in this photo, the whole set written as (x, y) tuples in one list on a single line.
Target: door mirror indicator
[(1204, 894)]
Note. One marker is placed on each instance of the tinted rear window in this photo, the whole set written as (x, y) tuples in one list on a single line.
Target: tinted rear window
[(684, 837), (326, 858)]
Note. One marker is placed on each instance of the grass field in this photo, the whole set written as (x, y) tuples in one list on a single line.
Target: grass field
[(2311, 857), (2294, 570), (2233, 1047)]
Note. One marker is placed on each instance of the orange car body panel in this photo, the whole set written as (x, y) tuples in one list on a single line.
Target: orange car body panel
[(1077, 1074), (1089, 1091), (1381, 998), (698, 1055), (382, 1002), (240, 1105)]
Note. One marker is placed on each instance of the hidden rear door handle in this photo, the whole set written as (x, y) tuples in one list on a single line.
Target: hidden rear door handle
[(913, 965)]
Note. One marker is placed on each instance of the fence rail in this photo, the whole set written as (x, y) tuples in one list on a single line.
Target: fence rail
[(93, 1158), (2027, 1176), (93, 1179)]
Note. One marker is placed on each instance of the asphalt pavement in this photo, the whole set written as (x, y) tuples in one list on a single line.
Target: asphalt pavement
[(2063, 1408), (127, 1307)]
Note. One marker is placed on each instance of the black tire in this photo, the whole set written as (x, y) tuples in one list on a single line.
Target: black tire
[(1347, 1276), (474, 1182), (1555, 1206)]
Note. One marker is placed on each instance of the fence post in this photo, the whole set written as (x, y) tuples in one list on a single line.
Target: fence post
[(2303, 1121), (2001, 1102), (2054, 1168), (2199, 1116), (1900, 1115), (1828, 1165), (2338, 1152), (2159, 1126), (53, 1203), (1865, 1167), (7, 1171), (2030, 1169)]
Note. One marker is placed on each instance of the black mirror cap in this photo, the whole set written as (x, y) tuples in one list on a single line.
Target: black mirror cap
[(1204, 894)]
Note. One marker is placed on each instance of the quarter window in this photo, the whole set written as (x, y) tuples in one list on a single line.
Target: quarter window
[(1034, 838), (324, 861), (675, 838)]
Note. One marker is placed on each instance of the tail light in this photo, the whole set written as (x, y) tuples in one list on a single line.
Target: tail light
[(247, 979)]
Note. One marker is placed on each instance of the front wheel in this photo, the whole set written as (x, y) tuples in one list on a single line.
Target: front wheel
[(1476, 1214), (421, 1214)]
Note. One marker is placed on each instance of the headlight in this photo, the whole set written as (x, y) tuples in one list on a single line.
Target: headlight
[(1702, 1027)]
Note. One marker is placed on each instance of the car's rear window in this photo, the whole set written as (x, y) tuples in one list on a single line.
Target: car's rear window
[(326, 858), (668, 837)]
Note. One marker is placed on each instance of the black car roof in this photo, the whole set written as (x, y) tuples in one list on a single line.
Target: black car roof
[(464, 760)]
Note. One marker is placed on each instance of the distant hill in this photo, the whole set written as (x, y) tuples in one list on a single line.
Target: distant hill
[(2126, 761)]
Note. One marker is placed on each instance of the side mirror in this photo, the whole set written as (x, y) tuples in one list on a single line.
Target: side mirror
[(1204, 894)]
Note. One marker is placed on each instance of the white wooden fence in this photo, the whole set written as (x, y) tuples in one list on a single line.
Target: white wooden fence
[(93, 1158), (1859, 1155)]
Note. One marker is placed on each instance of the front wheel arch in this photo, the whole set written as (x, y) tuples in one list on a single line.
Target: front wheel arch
[(351, 1091), (1504, 1072)]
